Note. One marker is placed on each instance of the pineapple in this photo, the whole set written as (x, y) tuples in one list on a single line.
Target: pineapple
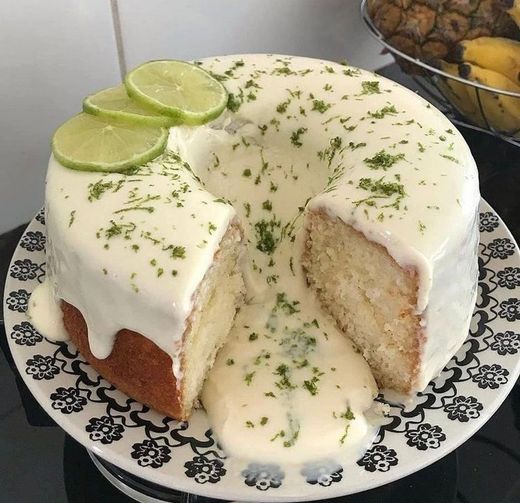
[(430, 29)]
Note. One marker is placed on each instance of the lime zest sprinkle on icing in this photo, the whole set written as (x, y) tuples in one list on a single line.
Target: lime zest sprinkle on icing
[(248, 378), (348, 415), (296, 135), (330, 152), (381, 190), (450, 158), (383, 160), (354, 146), (311, 385), (285, 305), (351, 72), (234, 102), (284, 383), (320, 106), (280, 434), (370, 87), (282, 107), (386, 110), (265, 230), (267, 205), (177, 252)]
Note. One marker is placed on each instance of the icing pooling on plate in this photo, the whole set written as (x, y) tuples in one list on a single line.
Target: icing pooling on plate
[(45, 312), (497, 252), (284, 357), (390, 165)]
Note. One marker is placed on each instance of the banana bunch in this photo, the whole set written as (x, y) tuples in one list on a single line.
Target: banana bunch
[(493, 62), (502, 112), (500, 55), (461, 96), (512, 7)]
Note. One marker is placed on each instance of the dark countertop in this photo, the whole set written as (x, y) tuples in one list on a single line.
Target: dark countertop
[(40, 463)]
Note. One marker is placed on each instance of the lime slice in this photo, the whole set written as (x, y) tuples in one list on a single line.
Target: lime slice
[(177, 89), (115, 104), (91, 143)]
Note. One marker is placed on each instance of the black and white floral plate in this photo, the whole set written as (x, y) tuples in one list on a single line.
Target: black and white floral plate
[(186, 457)]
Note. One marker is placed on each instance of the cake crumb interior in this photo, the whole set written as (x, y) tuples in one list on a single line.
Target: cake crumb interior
[(217, 301), (369, 295)]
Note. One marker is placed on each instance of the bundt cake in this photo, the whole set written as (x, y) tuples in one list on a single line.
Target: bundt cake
[(356, 204)]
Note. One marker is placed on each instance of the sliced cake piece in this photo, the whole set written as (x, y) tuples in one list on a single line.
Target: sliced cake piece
[(407, 319), (139, 368), (370, 296)]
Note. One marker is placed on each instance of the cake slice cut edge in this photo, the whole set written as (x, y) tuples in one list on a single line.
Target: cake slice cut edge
[(217, 301), (369, 295), (139, 368)]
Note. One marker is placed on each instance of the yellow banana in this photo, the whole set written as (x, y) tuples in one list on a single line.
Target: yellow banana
[(502, 112), (461, 96), (512, 7), (499, 54)]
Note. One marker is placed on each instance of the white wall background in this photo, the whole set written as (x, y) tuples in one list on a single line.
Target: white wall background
[(54, 53)]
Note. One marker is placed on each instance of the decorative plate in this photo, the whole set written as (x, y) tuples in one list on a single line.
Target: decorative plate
[(186, 457)]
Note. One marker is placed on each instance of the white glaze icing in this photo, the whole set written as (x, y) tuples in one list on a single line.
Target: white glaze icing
[(45, 313), (255, 412), (246, 386), (117, 264), (435, 231), (291, 110)]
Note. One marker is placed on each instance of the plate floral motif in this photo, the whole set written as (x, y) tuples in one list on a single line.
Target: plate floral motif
[(186, 457)]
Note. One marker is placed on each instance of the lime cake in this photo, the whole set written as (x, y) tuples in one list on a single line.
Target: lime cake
[(322, 231)]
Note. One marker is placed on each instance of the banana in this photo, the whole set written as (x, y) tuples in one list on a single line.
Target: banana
[(501, 55), (512, 7), (462, 96), (502, 112)]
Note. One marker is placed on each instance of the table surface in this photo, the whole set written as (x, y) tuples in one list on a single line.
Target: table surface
[(40, 463)]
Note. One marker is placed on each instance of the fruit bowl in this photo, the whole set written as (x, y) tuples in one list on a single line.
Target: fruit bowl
[(467, 103)]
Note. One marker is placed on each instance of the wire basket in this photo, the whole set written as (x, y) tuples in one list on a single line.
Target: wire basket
[(433, 83)]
